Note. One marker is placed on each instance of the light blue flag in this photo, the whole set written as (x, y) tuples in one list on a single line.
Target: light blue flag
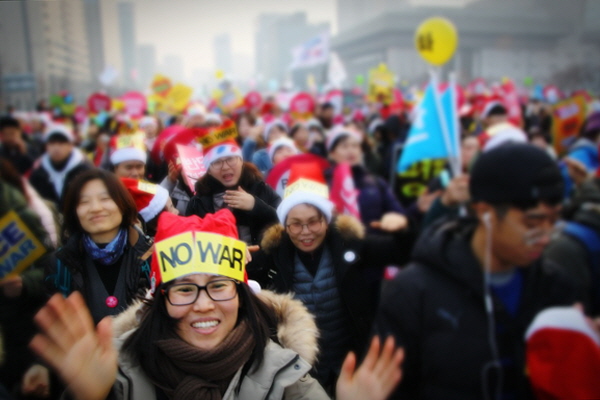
[(426, 136), (450, 111)]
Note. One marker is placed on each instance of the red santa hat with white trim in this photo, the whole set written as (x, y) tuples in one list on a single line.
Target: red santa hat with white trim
[(563, 355), (219, 142), (306, 185), (150, 199), (128, 147)]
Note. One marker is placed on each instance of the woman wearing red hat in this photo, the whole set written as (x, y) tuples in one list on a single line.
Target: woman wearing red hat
[(234, 184), (204, 335), (326, 261), (105, 256)]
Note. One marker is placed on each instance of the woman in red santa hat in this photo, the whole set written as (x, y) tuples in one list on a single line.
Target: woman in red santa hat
[(205, 333)]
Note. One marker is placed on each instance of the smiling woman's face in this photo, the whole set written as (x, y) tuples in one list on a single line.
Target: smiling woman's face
[(98, 213), (205, 323)]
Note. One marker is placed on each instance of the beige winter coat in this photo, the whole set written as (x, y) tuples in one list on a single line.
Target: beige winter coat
[(282, 374)]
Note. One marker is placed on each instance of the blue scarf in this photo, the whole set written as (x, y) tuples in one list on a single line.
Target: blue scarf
[(110, 253)]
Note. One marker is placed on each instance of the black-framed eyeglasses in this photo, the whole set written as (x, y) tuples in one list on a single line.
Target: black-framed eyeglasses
[(183, 294), (220, 163), (312, 225)]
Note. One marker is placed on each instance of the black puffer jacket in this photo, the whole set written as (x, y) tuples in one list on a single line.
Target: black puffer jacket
[(358, 264), (435, 308), (262, 216)]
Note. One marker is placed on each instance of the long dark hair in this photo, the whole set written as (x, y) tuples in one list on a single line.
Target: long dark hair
[(157, 324), (208, 184), (116, 190)]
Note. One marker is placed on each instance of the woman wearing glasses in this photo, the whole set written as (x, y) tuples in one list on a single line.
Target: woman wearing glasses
[(324, 261), (237, 185), (204, 335)]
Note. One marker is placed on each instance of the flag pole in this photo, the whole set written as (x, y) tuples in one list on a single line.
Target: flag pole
[(455, 124), (435, 73)]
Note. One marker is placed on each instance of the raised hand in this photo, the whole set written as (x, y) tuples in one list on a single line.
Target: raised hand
[(377, 376), (391, 222), (239, 199), (81, 354)]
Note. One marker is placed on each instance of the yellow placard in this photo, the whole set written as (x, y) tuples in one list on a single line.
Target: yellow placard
[(178, 98), (201, 252), (161, 85), (217, 135), (307, 185), (19, 247), (381, 84), (135, 140), (147, 187)]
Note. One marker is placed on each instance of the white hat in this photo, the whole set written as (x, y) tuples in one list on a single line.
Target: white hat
[(59, 130), (127, 148), (271, 125), (338, 132), (281, 142)]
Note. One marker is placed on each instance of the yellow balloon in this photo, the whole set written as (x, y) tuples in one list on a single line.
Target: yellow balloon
[(219, 74), (436, 40)]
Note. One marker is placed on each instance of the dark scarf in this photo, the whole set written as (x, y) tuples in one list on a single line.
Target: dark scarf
[(187, 372), (109, 254)]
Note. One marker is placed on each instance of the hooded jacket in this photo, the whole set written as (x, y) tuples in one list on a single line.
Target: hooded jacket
[(358, 266), (41, 179), (435, 308), (282, 374)]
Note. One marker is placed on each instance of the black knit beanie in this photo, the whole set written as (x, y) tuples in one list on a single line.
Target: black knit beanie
[(516, 173)]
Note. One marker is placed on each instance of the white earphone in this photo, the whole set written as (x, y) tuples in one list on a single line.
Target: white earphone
[(487, 219)]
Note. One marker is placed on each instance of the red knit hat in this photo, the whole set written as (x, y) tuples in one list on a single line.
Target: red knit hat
[(194, 245), (219, 142), (150, 199)]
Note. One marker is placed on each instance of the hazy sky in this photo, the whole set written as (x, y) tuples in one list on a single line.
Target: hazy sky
[(188, 27)]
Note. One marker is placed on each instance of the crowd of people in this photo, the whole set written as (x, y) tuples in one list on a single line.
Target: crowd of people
[(322, 279)]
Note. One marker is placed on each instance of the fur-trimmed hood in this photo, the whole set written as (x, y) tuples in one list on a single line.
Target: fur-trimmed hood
[(348, 227), (296, 329)]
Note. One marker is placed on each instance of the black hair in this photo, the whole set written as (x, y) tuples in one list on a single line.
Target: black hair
[(57, 138), (326, 105), (497, 110), (117, 191), (157, 324), (9, 122)]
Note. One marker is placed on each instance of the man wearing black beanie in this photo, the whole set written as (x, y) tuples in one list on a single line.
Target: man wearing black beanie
[(461, 307)]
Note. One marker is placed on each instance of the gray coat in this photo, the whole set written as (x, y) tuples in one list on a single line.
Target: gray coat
[(282, 374)]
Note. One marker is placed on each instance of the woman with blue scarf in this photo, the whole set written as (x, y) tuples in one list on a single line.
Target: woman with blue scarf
[(105, 255)]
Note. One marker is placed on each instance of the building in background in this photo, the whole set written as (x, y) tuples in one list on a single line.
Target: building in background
[(173, 67), (223, 53), (44, 50), (538, 39), (146, 59), (276, 37), (129, 74)]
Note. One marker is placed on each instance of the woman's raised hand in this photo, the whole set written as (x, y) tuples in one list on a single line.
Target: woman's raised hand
[(376, 377), (82, 355)]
